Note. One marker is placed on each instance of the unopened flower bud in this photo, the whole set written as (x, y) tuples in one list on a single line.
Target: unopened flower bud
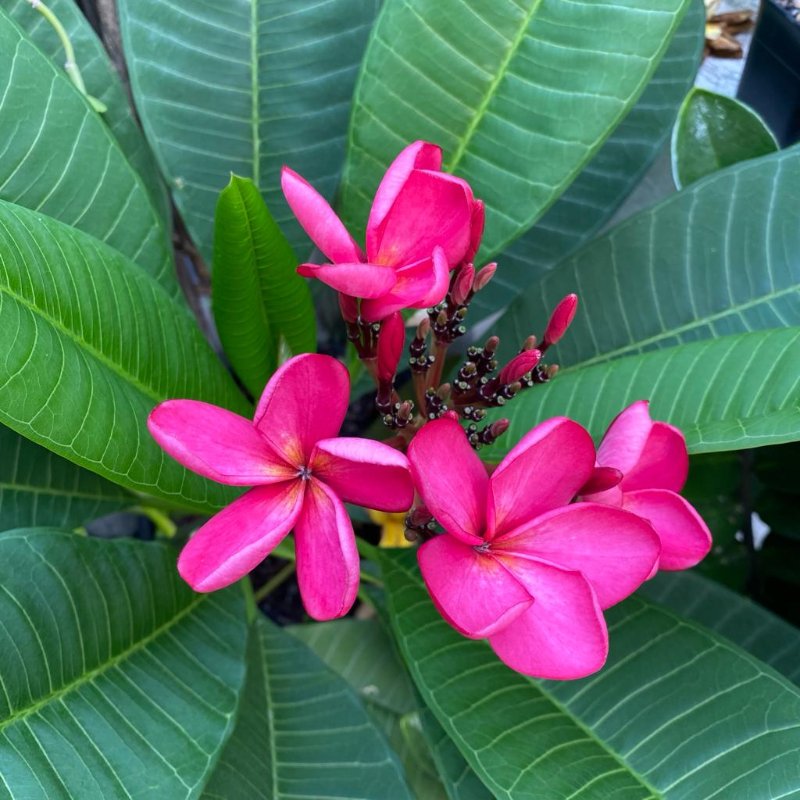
[(476, 229), (348, 305), (423, 329), (492, 343), (560, 320), (484, 276), (390, 346), (528, 344), (519, 365), (462, 284)]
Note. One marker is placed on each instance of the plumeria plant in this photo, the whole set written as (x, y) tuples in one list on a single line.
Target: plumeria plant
[(370, 427)]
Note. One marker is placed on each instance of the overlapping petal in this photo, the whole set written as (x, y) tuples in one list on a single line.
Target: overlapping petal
[(216, 443), (327, 559), (240, 536), (358, 279), (626, 437), (663, 463), (364, 472)]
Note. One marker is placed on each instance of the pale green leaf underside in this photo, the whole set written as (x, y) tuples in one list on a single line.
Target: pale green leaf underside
[(724, 394), (102, 81), (92, 343), (117, 680), (519, 93), (38, 488), (244, 87), (301, 733), (677, 713), (717, 258), (608, 178), (59, 157)]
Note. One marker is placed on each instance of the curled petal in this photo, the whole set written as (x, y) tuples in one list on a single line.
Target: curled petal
[(216, 443), (543, 471), (473, 591), (476, 229), (663, 463), (626, 437), (450, 478), (685, 538), (358, 280), (241, 536), (364, 472), (613, 549), (327, 559), (601, 480), (304, 401), (318, 219), (563, 634)]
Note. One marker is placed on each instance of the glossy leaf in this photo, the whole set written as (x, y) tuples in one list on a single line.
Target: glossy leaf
[(677, 712), (92, 343), (38, 488), (724, 394), (519, 94), (244, 87), (61, 158), (607, 179), (301, 732), (118, 680), (714, 259), (713, 132), (259, 300)]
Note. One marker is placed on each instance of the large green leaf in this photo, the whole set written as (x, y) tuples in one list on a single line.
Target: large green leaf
[(519, 93), (260, 303), (713, 132), (719, 257), (91, 344), (118, 680), (60, 158), (677, 712), (244, 86), (724, 394), (101, 79), (37, 488), (301, 732), (603, 184)]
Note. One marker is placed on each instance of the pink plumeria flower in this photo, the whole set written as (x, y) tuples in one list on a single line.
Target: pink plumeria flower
[(423, 222), (653, 464), (301, 473), (517, 564)]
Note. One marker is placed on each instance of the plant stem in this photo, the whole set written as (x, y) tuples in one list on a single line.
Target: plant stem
[(283, 574)]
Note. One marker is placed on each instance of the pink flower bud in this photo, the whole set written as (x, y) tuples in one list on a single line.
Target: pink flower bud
[(484, 276), (390, 346), (560, 320), (462, 284), (519, 365), (349, 307), (476, 229)]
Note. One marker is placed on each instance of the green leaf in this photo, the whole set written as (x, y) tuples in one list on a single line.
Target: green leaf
[(37, 488), (608, 178), (519, 93), (118, 680), (714, 259), (724, 394), (259, 300), (677, 712), (244, 87), (102, 81), (301, 732), (60, 158), (713, 132), (92, 344)]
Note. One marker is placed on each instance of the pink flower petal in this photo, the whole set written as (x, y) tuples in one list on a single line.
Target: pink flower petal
[(419, 285), (563, 634), (450, 478), (430, 209), (626, 437), (614, 550), (602, 480), (216, 443), (241, 536), (364, 472), (359, 280), (305, 401), (663, 464), (318, 219), (327, 559), (685, 538), (543, 471), (473, 591), (418, 155)]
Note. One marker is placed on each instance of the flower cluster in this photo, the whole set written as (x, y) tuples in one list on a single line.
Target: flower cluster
[(530, 552)]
